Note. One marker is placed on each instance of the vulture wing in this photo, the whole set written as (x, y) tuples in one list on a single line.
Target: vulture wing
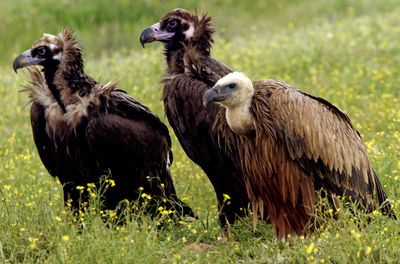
[(130, 108), (321, 139), (135, 145), (182, 97), (192, 124), (43, 143), (203, 68)]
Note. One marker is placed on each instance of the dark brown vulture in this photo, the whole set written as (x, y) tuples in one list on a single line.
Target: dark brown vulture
[(182, 95), (84, 129), (293, 144)]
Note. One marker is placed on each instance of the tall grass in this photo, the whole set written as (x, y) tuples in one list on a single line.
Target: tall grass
[(344, 51)]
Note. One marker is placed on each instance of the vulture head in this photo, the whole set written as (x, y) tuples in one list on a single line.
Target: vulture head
[(179, 27), (235, 92), (51, 52)]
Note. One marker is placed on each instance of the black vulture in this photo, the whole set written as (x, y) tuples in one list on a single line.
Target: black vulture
[(182, 95), (84, 129)]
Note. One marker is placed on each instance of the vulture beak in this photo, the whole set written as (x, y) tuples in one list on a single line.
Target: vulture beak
[(26, 59), (214, 95), (154, 33)]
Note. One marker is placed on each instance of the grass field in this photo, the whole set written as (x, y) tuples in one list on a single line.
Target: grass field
[(345, 51)]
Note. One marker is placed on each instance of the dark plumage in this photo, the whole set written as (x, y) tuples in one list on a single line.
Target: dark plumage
[(84, 129), (189, 36), (292, 145)]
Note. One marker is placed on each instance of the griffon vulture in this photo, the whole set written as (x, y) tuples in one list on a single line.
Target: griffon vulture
[(84, 129), (182, 95), (293, 144)]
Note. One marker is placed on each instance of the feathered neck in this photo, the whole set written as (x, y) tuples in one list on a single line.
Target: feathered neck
[(201, 41), (67, 77), (240, 119)]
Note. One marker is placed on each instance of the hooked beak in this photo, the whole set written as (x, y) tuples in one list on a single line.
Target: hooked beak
[(214, 95), (26, 59), (154, 33)]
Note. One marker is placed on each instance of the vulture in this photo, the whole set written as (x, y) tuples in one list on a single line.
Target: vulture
[(292, 145), (182, 32), (84, 130)]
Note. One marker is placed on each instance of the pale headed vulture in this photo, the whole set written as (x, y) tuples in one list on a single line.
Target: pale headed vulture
[(182, 95), (84, 129), (293, 144)]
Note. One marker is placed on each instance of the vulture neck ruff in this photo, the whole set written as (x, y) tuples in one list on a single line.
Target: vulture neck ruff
[(49, 75), (41, 93), (65, 91)]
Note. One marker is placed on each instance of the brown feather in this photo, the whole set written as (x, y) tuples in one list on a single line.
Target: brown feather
[(190, 72), (84, 130), (301, 144)]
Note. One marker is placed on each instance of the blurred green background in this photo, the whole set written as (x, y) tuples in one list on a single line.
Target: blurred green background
[(107, 26)]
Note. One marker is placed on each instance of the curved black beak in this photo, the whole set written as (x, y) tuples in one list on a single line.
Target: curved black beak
[(26, 59), (147, 36), (213, 95), (154, 33)]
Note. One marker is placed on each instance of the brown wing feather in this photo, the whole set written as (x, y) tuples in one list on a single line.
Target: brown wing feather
[(300, 144), (320, 138), (282, 185), (272, 179)]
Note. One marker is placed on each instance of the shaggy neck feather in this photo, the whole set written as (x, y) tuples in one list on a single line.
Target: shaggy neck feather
[(67, 80), (175, 60), (49, 73), (201, 41)]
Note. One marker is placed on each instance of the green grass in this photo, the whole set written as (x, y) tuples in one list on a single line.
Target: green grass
[(345, 51)]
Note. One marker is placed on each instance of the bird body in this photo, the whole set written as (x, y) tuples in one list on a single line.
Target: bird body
[(182, 95), (297, 144), (84, 129)]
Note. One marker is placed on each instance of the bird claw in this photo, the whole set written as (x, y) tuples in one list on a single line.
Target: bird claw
[(225, 234)]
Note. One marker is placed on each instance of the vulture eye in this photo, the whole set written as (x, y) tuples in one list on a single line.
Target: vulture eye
[(41, 51), (231, 86), (172, 23)]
